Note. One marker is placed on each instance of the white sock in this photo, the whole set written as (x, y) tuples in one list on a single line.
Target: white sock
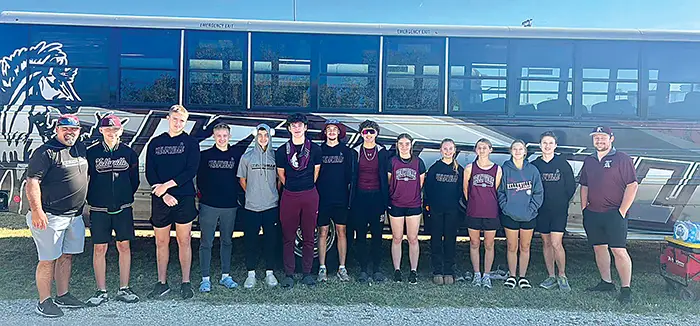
[(341, 267), (205, 279), (251, 273), (267, 273), (223, 276), (322, 266)]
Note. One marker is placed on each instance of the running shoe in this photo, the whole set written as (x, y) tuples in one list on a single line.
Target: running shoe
[(205, 286), (322, 274), (378, 277), (625, 295), (397, 276), (413, 277), (228, 282), (270, 280), (159, 290), (363, 277), (288, 282), (563, 283), (97, 299), (48, 309), (549, 283), (476, 280), (343, 274), (308, 280), (127, 295), (69, 301), (602, 286), (250, 282), (449, 279), (186, 290), (486, 281), (438, 279)]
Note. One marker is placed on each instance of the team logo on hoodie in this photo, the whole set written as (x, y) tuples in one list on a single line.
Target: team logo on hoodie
[(520, 186)]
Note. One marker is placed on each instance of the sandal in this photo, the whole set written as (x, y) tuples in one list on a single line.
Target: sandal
[(510, 282), (523, 283)]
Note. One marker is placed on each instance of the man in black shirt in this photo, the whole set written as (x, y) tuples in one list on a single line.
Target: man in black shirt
[(333, 189), (172, 159), (298, 165), (56, 190)]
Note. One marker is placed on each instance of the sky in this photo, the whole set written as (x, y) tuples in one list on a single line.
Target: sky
[(637, 14)]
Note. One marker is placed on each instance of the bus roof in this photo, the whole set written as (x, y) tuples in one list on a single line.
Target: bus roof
[(218, 24)]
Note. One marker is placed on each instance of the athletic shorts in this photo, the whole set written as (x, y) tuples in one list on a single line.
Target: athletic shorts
[(549, 221), (339, 214), (163, 215), (404, 211), (483, 224), (512, 224), (63, 235), (607, 228), (102, 224)]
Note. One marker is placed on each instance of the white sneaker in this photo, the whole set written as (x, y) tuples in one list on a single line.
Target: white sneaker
[(250, 282), (322, 275), (271, 280), (476, 279), (486, 281)]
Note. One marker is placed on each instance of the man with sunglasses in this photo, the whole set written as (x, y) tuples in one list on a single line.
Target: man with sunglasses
[(369, 195), (114, 179), (57, 180)]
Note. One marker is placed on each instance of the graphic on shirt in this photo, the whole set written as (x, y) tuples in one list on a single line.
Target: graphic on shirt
[(170, 150), (222, 164), (551, 177), (261, 166), (333, 159), (483, 180), (451, 178), (607, 164), (405, 174), (520, 186), (294, 162), (74, 162), (106, 164)]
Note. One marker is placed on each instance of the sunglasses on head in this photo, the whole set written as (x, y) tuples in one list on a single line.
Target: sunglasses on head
[(369, 132)]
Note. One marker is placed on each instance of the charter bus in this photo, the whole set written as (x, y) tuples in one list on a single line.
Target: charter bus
[(501, 83)]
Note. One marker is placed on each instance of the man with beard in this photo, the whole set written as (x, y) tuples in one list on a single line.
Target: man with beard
[(608, 187), (57, 180)]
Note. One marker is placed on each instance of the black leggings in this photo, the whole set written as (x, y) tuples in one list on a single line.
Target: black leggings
[(252, 223), (443, 224)]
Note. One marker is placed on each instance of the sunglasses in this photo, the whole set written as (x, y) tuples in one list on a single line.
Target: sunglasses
[(369, 132)]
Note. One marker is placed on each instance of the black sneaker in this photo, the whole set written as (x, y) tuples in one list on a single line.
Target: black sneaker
[(288, 282), (308, 280), (159, 290), (48, 309), (127, 295), (186, 290), (602, 287), (363, 277), (625, 295), (378, 277), (397, 276), (98, 298), (413, 277), (69, 301)]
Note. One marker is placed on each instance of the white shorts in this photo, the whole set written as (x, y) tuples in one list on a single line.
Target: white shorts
[(63, 235)]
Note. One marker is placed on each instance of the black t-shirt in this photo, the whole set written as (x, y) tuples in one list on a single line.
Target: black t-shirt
[(298, 180), (216, 177), (335, 175), (63, 173)]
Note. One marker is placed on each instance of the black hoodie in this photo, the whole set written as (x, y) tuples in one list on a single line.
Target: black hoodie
[(559, 184), (443, 187)]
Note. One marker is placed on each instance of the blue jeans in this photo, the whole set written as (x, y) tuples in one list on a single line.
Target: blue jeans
[(209, 217)]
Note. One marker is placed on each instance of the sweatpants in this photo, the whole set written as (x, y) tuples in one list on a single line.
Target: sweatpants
[(298, 208), (366, 214), (252, 221), (209, 217), (443, 224)]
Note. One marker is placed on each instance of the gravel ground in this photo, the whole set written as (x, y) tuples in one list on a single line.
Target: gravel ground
[(21, 312)]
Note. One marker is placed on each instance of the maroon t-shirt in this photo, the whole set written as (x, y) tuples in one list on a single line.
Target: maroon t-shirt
[(368, 176), (607, 179), (404, 189)]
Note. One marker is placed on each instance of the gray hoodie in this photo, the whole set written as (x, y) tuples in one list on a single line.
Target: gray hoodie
[(258, 167), (521, 193)]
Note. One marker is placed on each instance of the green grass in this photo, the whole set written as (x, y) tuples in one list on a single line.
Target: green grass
[(18, 260)]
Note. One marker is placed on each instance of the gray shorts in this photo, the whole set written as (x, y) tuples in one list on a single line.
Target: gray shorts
[(63, 235)]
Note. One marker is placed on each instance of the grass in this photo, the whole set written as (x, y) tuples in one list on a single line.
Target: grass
[(18, 260)]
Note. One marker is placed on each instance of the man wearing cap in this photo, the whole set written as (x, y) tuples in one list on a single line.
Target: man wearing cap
[(608, 187), (56, 189), (113, 168), (333, 190)]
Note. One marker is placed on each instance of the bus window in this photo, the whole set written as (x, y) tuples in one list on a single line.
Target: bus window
[(413, 67), (82, 55), (281, 70), (674, 80), (149, 61), (545, 71), (349, 78), (478, 74), (610, 82), (12, 58), (216, 64)]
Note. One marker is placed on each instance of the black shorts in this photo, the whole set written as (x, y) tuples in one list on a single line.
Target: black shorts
[(339, 214), (163, 215), (483, 224), (549, 221), (608, 228), (512, 224), (404, 211), (102, 224)]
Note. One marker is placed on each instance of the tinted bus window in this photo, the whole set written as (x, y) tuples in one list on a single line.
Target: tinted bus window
[(13, 57), (149, 61), (478, 74), (413, 67), (674, 79), (610, 82), (545, 71), (281, 70), (348, 72), (216, 63), (81, 55)]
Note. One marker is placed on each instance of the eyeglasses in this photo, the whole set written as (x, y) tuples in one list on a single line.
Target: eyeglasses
[(369, 132)]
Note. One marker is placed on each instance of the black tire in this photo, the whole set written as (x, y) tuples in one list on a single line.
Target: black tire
[(687, 294), (331, 249)]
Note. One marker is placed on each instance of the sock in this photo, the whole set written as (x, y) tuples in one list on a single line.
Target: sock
[(341, 267), (322, 267), (251, 273), (267, 272), (205, 279), (223, 276), (123, 288)]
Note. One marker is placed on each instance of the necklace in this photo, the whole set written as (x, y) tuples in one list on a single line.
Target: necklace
[(369, 156)]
